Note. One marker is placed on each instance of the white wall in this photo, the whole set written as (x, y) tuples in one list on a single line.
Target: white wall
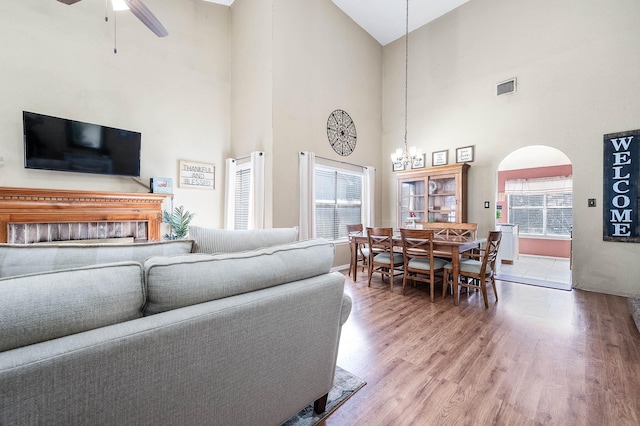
[(252, 86), (58, 60), (576, 62), (533, 156), (294, 63), (322, 61)]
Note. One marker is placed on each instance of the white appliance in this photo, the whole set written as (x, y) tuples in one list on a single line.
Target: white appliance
[(509, 249)]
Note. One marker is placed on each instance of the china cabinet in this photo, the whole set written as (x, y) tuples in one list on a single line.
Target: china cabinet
[(438, 194)]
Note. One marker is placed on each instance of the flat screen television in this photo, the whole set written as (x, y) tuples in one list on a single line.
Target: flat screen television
[(53, 143)]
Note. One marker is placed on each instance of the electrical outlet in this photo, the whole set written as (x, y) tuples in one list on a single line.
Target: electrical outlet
[(591, 202)]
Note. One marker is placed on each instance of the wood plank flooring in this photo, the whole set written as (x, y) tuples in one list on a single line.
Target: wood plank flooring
[(537, 357)]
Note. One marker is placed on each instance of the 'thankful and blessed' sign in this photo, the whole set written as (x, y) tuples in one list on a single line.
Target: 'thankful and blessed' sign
[(197, 175), (621, 173)]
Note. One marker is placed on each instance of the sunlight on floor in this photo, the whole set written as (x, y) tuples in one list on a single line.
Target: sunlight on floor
[(538, 268)]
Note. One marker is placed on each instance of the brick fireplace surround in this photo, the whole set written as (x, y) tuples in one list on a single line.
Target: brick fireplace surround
[(29, 215)]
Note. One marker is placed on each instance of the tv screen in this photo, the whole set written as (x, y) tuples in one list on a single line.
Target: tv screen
[(53, 143)]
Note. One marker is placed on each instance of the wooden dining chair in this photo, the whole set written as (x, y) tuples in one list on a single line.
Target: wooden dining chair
[(447, 230), (478, 268), (382, 258), (419, 262), (361, 250)]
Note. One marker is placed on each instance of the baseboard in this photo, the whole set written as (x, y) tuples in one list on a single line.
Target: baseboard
[(339, 268)]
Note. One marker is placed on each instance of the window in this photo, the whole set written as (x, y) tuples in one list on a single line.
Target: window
[(244, 192), (242, 196), (548, 214), (338, 201)]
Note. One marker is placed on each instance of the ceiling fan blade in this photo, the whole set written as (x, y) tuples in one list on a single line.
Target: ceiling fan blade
[(145, 16), (69, 1)]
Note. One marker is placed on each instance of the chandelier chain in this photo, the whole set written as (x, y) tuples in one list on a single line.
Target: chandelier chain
[(404, 156), (406, 80)]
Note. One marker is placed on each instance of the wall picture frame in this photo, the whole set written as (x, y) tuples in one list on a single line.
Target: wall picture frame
[(418, 162), (196, 175), (440, 158), (464, 154), (398, 167)]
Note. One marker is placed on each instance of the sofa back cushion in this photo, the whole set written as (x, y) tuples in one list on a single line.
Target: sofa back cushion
[(44, 306), (177, 281), (210, 241), (19, 259)]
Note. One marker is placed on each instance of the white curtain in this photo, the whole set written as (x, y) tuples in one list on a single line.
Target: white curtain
[(230, 193), (307, 165), (256, 197), (539, 185), (369, 201)]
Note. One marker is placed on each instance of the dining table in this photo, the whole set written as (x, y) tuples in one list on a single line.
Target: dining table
[(449, 246)]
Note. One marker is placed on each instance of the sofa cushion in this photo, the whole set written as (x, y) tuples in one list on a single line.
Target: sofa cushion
[(210, 241), (177, 281), (44, 306), (20, 259)]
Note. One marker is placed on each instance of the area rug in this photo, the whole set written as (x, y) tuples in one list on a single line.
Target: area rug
[(531, 281), (345, 385)]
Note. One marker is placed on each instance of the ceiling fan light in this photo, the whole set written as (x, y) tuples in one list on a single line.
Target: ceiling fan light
[(119, 5)]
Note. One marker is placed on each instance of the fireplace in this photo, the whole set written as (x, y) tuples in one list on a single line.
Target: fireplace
[(29, 215)]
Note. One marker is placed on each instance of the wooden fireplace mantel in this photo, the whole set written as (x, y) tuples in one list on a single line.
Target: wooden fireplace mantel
[(34, 205)]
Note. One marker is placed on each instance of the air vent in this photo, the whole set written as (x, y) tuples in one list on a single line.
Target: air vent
[(505, 87)]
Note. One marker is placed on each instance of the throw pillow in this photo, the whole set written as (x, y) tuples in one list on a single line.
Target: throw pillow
[(210, 241), (39, 307)]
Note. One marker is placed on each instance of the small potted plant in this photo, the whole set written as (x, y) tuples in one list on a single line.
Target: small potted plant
[(178, 221)]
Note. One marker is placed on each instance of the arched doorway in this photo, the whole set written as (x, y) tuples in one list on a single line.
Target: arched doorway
[(535, 192)]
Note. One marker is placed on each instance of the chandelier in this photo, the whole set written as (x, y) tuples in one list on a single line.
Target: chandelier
[(405, 155)]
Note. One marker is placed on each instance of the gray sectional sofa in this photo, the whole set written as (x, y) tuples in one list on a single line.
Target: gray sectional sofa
[(153, 333)]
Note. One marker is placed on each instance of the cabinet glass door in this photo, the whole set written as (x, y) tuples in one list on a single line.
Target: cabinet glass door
[(412, 203), (442, 199)]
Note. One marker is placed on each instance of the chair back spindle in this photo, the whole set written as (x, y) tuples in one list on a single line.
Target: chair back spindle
[(419, 261), (382, 257)]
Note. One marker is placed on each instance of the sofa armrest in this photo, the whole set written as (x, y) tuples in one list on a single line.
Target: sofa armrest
[(347, 304)]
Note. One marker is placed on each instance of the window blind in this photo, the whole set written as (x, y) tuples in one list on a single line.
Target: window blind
[(242, 194), (338, 200)]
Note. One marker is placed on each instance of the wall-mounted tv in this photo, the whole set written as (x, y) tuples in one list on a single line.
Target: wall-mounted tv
[(53, 143)]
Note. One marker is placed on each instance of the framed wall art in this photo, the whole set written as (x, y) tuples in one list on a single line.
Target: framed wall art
[(196, 175), (464, 154), (418, 162), (398, 167), (440, 158)]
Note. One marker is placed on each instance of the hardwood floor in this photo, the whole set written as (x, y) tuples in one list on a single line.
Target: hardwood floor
[(537, 357)]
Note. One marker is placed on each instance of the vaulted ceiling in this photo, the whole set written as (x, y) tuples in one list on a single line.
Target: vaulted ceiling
[(385, 20)]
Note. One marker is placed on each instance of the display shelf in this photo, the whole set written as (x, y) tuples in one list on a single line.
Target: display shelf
[(432, 195)]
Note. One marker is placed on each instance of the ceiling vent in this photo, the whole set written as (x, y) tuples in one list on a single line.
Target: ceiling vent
[(506, 87)]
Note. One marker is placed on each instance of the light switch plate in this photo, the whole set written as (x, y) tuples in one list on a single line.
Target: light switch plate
[(591, 202), (486, 204)]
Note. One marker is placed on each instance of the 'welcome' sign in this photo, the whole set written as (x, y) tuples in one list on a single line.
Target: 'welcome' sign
[(621, 172)]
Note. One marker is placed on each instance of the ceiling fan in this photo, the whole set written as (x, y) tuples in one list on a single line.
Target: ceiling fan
[(141, 11)]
